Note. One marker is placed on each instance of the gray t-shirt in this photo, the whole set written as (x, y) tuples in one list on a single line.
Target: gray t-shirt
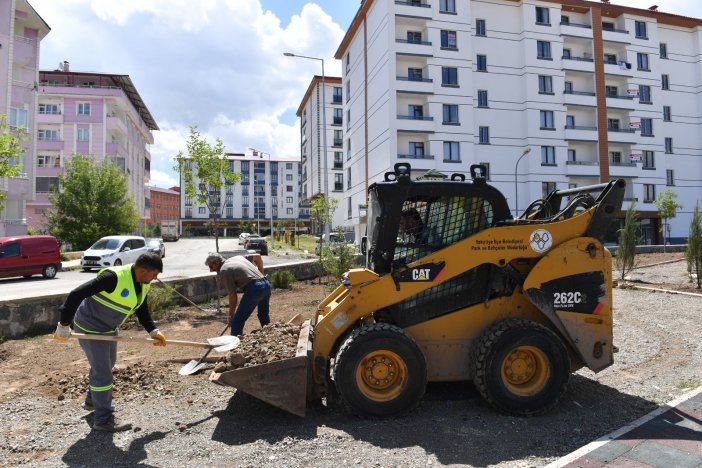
[(237, 272)]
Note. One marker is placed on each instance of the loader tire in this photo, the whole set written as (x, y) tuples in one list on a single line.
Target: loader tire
[(380, 371), (520, 367)]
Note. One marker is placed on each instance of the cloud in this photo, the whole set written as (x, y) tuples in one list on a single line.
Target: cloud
[(218, 66)]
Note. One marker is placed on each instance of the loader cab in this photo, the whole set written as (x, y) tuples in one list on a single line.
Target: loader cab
[(446, 211)]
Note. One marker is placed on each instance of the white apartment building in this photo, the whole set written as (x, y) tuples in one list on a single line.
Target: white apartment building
[(321, 113), (269, 190), (21, 31), (581, 91)]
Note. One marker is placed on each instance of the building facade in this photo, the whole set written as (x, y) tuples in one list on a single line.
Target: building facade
[(269, 191), (163, 204), (548, 93), (320, 113), (21, 31), (94, 114)]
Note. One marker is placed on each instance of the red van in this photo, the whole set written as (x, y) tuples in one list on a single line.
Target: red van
[(29, 255)]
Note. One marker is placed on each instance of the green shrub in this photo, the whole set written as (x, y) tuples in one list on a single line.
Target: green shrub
[(160, 301), (281, 279)]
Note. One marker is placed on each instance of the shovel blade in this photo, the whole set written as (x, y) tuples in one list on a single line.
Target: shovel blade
[(193, 367), (221, 344)]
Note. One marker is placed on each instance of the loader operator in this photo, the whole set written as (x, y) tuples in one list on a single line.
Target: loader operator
[(101, 306), (243, 273), (412, 227)]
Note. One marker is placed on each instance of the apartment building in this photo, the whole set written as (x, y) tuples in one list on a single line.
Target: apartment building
[(322, 150), (269, 191), (548, 93), (21, 31), (97, 114), (163, 204)]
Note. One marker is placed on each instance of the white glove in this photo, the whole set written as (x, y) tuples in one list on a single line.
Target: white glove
[(62, 333)]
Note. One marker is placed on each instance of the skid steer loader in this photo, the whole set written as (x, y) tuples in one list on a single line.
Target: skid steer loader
[(515, 305)]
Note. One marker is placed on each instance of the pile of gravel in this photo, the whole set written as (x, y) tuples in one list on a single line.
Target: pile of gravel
[(273, 342)]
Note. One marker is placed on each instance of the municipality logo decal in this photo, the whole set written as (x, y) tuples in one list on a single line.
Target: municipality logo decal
[(540, 240)]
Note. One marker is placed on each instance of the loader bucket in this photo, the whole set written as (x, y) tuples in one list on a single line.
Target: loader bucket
[(282, 383)]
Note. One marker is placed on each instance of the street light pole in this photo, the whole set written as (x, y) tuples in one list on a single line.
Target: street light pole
[(516, 188), (327, 227)]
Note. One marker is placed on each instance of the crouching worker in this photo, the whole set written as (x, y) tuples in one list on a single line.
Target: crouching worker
[(100, 307), (243, 273)]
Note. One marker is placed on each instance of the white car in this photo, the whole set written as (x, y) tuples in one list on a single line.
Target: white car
[(113, 251), (243, 236)]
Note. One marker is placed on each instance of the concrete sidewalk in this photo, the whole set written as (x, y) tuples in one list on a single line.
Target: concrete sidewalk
[(669, 437)]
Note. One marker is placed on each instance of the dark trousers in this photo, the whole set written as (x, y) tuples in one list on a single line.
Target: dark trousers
[(256, 293)]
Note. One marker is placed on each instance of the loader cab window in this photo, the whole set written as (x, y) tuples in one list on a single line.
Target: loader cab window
[(430, 224)]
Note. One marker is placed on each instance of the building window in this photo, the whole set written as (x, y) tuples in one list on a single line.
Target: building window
[(348, 119), (337, 95), (52, 109), (449, 76), (666, 114), (481, 61), (288, 188), (289, 211), (48, 161), (482, 98), (46, 184), (447, 6), (49, 135), (548, 156), (83, 134), (669, 178), (288, 177), (416, 148), (649, 160), (480, 27), (664, 50), (338, 116), (415, 112), (83, 108), (570, 121), (18, 118), (607, 26), (566, 54), (414, 37), (610, 59), (338, 182), (649, 193), (546, 120), (201, 210), (668, 145), (611, 91), (645, 94), (348, 61), (288, 166), (338, 160), (646, 127), (571, 155), (542, 16), (338, 136), (546, 188), (545, 84), (415, 74), (448, 40), (348, 90), (665, 82), (543, 50), (452, 150), (484, 135), (640, 29), (642, 61), (348, 178), (450, 114), (615, 157), (567, 87)]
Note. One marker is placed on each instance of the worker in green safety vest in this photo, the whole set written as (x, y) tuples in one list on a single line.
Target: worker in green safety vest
[(100, 307)]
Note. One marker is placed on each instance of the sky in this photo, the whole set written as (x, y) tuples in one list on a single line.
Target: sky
[(217, 65)]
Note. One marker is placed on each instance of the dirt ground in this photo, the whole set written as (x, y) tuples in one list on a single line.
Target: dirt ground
[(188, 420)]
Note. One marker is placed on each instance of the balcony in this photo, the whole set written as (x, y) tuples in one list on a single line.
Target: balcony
[(618, 69), (579, 98), (49, 118), (582, 168), (415, 156), (415, 85), (410, 123), (413, 47), (413, 9), (116, 123), (624, 169), (580, 133), (622, 135), (620, 36), (55, 144), (115, 149), (576, 30), (583, 64), (338, 143), (621, 102)]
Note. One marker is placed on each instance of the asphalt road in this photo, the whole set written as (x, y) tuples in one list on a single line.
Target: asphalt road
[(185, 258)]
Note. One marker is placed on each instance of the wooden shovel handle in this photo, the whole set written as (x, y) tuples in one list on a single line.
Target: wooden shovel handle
[(130, 339)]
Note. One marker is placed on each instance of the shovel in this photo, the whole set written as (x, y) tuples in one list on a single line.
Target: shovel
[(194, 366), (220, 344)]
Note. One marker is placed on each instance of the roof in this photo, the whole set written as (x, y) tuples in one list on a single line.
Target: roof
[(122, 81), (313, 84)]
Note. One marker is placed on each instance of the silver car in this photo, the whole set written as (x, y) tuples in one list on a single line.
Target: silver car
[(113, 251)]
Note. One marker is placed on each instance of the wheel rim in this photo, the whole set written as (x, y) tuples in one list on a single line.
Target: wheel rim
[(381, 375), (50, 271), (525, 370)]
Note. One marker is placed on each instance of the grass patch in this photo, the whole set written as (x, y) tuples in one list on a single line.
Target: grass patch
[(687, 385)]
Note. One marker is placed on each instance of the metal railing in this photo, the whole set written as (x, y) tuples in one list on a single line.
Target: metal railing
[(413, 4), (582, 163), (578, 93), (415, 156), (622, 31), (413, 78), (415, 117), (619, 96), (577, 25), (621, 130), (580, 127), (578, 59), (408, 41)]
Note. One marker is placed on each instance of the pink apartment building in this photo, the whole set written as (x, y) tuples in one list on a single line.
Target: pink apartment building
[(21, 30), (95, 114)]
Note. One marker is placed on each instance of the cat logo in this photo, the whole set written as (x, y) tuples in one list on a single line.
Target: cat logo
[(421, 274)]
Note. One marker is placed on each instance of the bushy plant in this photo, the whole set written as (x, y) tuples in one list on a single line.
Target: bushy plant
[(160, 300), (693, 253), (281, 279), (337, 258), (626, 252)]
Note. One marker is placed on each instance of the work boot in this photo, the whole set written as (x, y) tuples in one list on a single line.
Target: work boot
[(88, 406), (113, 424)]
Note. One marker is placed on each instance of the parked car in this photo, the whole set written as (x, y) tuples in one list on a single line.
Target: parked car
[(113, 251), (29, 255), (256, 243), (156, 245), (335, 239), (243, 236)]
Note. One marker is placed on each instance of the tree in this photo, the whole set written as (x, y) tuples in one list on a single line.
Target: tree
[(336, 258), (205, 171), (667, 206), (322, 210), (10, 149), (91, 201), (693, 253), (626, 251)]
